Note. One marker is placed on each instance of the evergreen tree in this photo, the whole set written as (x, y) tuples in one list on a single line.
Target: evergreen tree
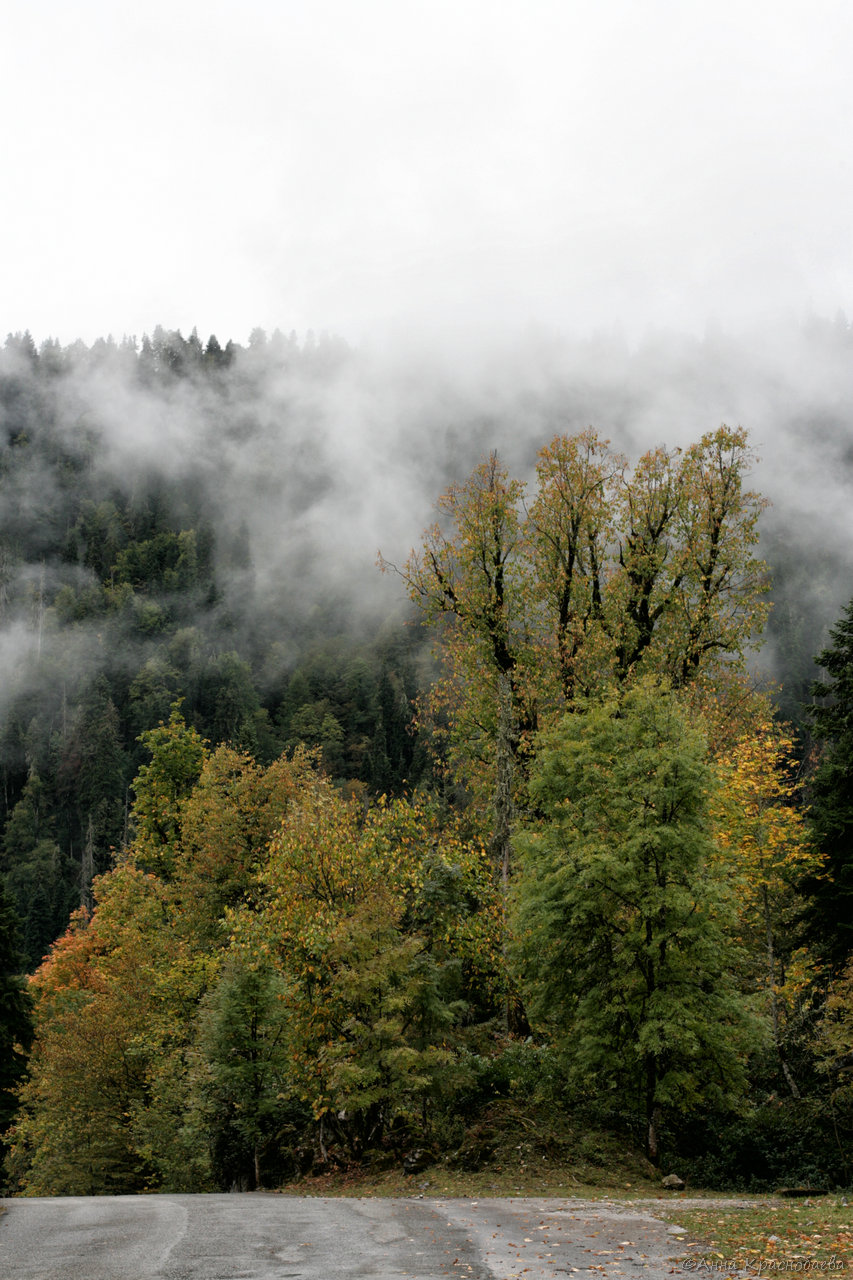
[(35, 878), (829, 915), (239, 1088), (16, 1030)]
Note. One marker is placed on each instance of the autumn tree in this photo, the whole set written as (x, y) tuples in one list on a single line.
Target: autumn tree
[(222, 828), (609, 574), (764, 848), (571, 529), (114, 1100), (835, 1041), (74, 1134), (624, 924), (473, 582), (226, 823), (373, 924)]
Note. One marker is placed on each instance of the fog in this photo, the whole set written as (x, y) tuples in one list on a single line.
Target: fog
[(321, 454)]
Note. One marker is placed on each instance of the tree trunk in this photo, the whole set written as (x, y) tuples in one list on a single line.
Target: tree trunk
[(774, 1003), (653, 1114), (87, 868), (506, 748)]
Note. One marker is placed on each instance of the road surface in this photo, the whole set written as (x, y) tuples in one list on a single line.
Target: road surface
[(273, 1237)]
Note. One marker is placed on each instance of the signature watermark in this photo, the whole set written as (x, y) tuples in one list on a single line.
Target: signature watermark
[(762, 1265)]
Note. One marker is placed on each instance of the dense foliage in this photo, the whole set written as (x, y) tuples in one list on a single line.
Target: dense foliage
[(293, 891), (267, 973)]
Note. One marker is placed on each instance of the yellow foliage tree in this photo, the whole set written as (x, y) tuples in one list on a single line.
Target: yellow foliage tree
[(380, 925), (110, 1100), (607, 575), (762, 838)]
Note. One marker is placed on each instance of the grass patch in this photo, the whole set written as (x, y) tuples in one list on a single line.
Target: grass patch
[(772, 1235)]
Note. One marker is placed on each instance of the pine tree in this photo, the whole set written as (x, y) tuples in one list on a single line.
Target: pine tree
[(16, 1030), (829, 916)]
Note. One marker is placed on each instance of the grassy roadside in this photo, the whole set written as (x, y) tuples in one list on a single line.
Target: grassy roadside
[(769, 1234)]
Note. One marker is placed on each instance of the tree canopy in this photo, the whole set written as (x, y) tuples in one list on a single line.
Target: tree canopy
[(607, 574)]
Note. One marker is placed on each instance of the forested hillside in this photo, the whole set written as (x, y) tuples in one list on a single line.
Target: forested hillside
[(338, 882), (128, 583)]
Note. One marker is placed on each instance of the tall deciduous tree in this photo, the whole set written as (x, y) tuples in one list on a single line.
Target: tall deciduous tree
[(571, 530), (93, 999), (624, 950), (472, 578), (611, 574)]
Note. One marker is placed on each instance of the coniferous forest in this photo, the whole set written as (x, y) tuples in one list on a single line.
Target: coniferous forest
[(385, 752)]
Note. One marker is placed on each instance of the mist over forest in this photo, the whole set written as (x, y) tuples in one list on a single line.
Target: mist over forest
[(201, 520)]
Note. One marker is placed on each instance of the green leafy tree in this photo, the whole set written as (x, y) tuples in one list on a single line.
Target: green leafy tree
[(627, 953), (162, 787)]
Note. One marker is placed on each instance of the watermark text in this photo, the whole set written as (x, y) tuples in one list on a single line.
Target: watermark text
[(762, 1265)]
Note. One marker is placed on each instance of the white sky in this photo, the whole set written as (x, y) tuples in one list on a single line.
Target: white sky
[(373, 167)]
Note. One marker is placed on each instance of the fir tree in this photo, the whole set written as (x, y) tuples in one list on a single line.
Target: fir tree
[(829, 916), (16, 1030)]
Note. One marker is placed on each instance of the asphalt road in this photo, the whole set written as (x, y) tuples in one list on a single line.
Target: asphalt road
[(273, 1237)]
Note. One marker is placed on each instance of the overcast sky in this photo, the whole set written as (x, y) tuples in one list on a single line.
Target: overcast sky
[(373, 167)]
